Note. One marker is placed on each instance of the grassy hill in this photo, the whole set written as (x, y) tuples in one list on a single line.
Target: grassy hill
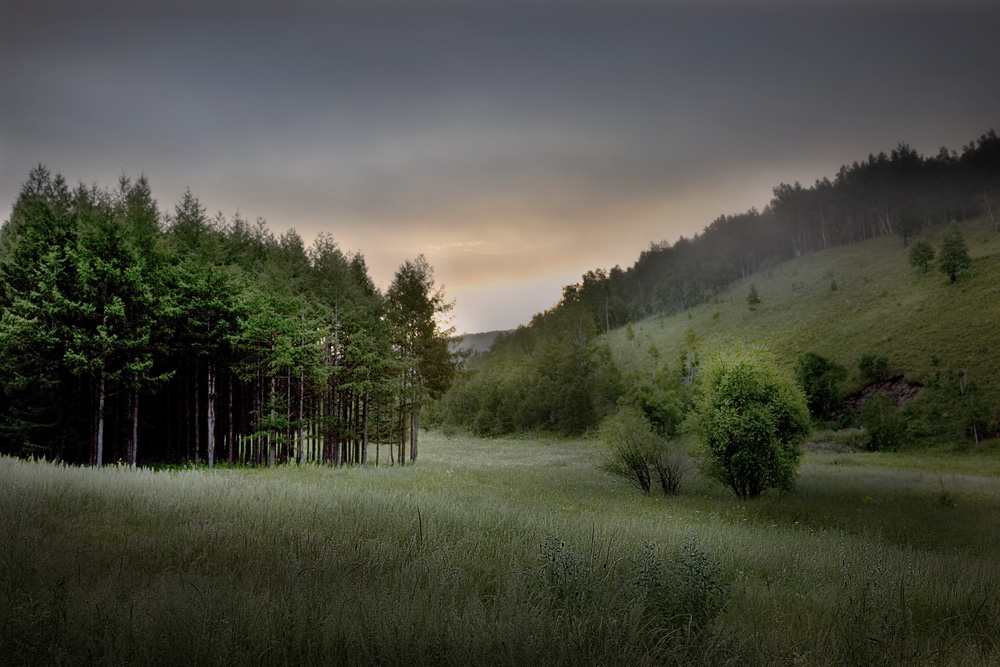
[(851, 300)]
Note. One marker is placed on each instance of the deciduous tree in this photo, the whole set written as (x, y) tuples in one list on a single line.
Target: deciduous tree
[(751, 420), (954, 260)]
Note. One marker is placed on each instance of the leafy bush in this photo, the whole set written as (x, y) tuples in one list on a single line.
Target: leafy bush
[(751, 420), (753, 299), (883, 423), (663, 405), (953, 260), (873, 367), (921, 255), (819, 378), (670, 466), (632, 446), (634, 449)]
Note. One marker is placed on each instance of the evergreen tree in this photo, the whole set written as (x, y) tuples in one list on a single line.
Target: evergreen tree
[(38, 304), (415, 307)]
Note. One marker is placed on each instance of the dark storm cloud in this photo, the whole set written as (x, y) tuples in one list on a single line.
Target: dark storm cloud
[(492, 133)]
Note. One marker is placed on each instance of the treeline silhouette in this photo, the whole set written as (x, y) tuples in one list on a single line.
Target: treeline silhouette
[(131, 335)]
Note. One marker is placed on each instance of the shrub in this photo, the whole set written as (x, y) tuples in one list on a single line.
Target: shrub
[(662, 404), (635, 452), (921, 255), (954, 260), (632, 446), (670, 466), (883, 424), (819, 378), (687, 591), (873, 368), (566, 574), (751, 420), (875, 622), (753, 299)]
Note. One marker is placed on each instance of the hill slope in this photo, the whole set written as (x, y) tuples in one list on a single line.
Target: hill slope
[(856, 299)]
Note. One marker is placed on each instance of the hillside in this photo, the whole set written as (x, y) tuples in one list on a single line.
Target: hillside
[(854, 299), (473, 343)]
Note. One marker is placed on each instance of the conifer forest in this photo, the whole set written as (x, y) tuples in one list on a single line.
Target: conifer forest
[(132, 335)]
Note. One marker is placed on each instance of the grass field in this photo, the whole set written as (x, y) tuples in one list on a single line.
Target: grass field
[(501, 552)]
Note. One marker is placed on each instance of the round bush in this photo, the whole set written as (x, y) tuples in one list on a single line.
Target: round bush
[(751, 421)]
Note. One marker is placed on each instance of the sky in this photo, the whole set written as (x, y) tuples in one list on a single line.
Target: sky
[(516, 144)]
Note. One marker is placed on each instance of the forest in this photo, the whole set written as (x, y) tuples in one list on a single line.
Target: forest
[(131, 335), (557, 374)]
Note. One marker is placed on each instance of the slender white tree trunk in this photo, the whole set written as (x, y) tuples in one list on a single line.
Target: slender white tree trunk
[(210, 416), (99, 435)]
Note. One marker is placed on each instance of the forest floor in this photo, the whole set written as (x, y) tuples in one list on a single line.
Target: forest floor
[(510, 551)]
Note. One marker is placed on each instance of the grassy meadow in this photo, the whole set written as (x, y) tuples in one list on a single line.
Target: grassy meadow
[(496, 552)]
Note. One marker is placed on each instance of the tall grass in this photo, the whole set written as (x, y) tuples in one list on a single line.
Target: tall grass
[(450, 562)]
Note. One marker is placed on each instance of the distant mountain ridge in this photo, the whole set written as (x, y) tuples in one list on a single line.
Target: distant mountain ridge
[(475, 342)]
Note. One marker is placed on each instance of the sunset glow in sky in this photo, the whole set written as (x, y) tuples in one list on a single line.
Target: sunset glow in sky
[(516, 144)]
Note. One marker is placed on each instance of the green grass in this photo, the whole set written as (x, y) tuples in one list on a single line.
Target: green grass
[(929, 330), (877, 557)]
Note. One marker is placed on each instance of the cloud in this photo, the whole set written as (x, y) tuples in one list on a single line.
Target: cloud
[(506, 141)]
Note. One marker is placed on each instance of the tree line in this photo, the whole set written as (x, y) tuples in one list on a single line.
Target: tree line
[(128, 334), (544, 368)]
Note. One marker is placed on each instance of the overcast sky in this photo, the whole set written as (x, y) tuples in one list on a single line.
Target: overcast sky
[(515, 144)]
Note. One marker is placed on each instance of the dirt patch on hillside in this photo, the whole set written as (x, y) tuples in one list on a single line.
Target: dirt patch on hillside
[(898, 390)]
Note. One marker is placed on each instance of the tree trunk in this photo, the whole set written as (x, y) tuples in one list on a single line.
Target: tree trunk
[(210, 416), (99, 435), (272, 445), (334, 431), (302, 440), (288, 455), (186, 400), (197, 418), (133, 444), (232, 430), (414, 428), (364, 430), (402, 436)]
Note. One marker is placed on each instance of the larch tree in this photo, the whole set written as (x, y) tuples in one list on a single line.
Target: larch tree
[(416, 307)]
